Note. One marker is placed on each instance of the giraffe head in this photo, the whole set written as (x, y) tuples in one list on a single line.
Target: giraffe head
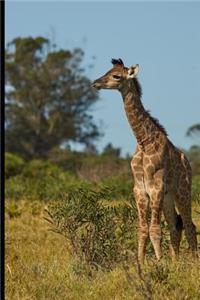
[(117, 77)]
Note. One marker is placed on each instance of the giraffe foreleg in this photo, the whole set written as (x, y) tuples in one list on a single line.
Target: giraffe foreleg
[(142, 201), (155, 229), (156, 194)]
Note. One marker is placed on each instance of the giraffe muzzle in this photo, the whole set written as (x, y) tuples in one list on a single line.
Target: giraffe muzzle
[(96, 85)]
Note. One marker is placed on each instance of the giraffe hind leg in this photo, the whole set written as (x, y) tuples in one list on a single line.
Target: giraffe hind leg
[(175, 224), (175, 237), (183, 203)]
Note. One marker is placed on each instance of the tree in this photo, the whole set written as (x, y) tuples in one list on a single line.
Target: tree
[(111, 150), (194, 151), (193, 130), (47, 98)]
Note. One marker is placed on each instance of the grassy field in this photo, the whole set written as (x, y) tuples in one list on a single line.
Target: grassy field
[(39, 266)]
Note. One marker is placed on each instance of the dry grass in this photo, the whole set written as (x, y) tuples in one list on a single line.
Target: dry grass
[(38, 266)]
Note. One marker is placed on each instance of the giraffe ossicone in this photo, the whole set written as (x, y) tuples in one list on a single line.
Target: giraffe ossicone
[(162, 173)]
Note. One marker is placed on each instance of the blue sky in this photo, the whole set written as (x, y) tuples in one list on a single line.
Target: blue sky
[(163, 37)]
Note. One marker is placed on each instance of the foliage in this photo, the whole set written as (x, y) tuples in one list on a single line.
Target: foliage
[(90, 166), (41, 180), (196, 189), (194, 157), (66, 159), (41, 168), (13, 164), (193, 130), (67, 170), (122, 186), (111, 151), (99, 167), (47, 98), (194, 151), (13, 210), (97, 227), (44, 180)]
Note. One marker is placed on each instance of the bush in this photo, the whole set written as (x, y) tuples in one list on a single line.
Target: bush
[(98, 167), (121, 186), (15, 188), (66, 159), (13, 164), (13, 210), (41, 180), (91, 166), (97, 227), (196, 189)]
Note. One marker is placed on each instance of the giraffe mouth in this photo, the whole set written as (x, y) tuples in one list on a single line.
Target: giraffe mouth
[(96, 85)]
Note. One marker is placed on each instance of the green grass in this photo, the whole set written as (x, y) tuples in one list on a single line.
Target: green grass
[(38, 266)]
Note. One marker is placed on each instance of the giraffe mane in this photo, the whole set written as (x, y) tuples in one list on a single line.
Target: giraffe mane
[(138, 89), (157, 123), (137, 86)]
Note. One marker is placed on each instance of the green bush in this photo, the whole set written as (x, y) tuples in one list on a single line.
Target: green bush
[(98, 167), (41, 180), (13, 164), (15, 188), (66, 159), (13, 210), (39, 168), (196, 188), (97, 227), (121, 186)]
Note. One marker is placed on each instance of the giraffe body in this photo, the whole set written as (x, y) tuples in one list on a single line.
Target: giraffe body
[(162, 173)]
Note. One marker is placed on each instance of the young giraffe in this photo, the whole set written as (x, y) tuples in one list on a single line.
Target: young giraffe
[(162, 173)]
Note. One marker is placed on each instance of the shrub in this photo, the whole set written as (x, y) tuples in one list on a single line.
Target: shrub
[(14, 164), (119, 185), (40, 168), (97, 227), (41, 180), (196, 188), (91, 166), (15, 188), (98, 167), (13, 210), (66, 159)]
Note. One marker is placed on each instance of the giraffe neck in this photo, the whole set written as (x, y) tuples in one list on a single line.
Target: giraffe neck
[(142, 124)]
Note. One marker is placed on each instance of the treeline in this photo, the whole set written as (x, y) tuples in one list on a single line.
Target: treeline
[(68, 170), (49, 179)]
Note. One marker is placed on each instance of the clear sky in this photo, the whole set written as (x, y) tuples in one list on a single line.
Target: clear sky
[(163, 37)]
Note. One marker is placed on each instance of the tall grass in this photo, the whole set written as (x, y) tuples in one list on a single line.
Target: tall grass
[(39, 265)]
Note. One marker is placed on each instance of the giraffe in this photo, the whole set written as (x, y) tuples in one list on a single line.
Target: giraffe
[(162, 173)]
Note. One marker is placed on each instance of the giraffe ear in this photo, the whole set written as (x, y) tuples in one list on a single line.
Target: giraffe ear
[(133, 71)]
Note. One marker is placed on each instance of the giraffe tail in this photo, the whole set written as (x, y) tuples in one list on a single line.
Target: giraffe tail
[(179, 223)]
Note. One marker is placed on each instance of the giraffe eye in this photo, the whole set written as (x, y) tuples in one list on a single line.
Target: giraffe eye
[(116, 77)]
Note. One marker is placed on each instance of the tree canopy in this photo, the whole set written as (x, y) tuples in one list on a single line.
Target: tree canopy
[(193, 130), (194, 152), (48, 98)]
